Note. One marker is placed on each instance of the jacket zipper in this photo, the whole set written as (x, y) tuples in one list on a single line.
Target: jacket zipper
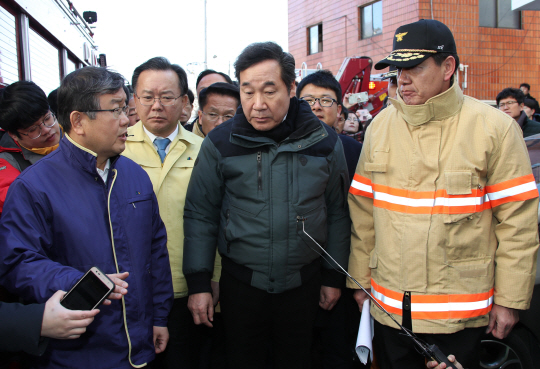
[(124, 313), (259, 170), (228, 214)]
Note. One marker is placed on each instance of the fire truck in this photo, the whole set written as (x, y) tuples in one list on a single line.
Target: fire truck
[(43, 41)]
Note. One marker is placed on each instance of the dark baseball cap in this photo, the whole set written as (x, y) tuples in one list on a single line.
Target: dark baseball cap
[(415, 42)]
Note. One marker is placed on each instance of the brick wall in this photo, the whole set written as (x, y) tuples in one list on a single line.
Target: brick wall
[(497, 58)]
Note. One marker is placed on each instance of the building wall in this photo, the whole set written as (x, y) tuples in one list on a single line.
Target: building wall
[(497, 57), (341, 32)]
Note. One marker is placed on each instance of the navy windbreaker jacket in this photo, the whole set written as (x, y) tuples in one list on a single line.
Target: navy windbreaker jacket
[(59, 220)]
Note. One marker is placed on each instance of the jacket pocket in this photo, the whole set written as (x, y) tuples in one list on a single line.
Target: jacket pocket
[(139, 217), (184, 163), (313, 222), (459, 200), (373, 260), (375, 167), (471, 268), (241, 223), (380, 161), (145, 303), (139, 199)]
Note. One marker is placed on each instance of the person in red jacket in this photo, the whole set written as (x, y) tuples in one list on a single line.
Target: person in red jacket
[(29, 131)]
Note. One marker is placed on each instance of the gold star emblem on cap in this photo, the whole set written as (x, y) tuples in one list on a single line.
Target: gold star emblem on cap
[(399, 36)]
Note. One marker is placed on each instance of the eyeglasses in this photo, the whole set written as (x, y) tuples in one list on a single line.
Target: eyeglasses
[(34, 131), (163, 100), (213, 117), (352, 120), (508, 103), (325, 102), (116, 111)]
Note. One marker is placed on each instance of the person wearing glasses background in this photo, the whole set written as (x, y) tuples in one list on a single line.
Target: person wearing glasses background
[(353, 128), (84, 205), (322, 92), (167, 152), (511, 101), (29, 131), (217, 104), (205, 79)]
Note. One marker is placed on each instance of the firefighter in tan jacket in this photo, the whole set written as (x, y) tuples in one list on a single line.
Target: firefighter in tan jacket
[(444, 208)]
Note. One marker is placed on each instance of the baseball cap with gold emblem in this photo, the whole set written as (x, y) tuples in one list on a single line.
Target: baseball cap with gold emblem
[(392, 73), (415, 42)]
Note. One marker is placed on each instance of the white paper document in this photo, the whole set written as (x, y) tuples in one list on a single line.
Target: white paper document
[(364, 346)]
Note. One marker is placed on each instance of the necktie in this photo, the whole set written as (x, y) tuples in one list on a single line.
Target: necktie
[(161, 144)]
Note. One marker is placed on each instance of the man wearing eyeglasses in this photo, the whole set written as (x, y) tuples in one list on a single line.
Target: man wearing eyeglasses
[(31, 131), (511, 101), (84, 205), (217, 104), (167, 152), (322, 92), (205, 79)]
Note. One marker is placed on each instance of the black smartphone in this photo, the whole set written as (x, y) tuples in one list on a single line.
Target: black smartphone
[(89, 291)]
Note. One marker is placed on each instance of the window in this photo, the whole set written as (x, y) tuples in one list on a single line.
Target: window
[(371, 20), (498, 14), (70, 66), (315, 39), (9, 62), (44, 62)]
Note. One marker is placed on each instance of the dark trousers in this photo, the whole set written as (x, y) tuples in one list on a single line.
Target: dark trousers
[(335, 335), (258, 322), (189, 346), (393, 350)]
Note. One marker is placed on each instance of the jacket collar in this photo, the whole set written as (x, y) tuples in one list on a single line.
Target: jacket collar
[(522, 120), (197, 130), (86, 158), (136, 134), (299, 114), (7, 143), (437, 108)]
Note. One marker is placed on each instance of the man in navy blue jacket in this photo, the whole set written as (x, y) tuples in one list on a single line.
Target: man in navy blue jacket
[(88, 206)]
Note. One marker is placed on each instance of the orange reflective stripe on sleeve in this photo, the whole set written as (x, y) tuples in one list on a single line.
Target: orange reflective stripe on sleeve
[(440, 202), (517, 189), (361, 186), (433, 307)]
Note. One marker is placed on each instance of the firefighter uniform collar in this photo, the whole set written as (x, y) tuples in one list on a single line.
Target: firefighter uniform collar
[(437, 108)]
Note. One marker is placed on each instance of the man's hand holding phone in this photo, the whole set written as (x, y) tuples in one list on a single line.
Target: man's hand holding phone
[(95, 288), (61, 323), (120, 287), (67, 317)]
